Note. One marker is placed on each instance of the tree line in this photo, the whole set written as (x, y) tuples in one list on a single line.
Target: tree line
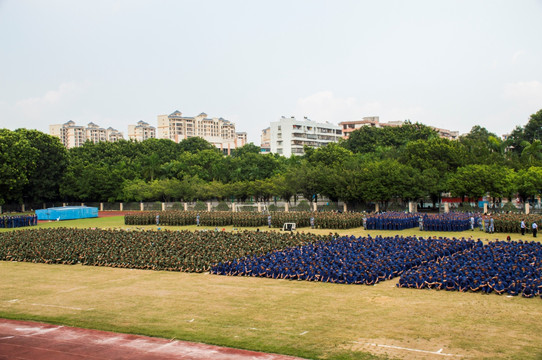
[(407, 163)]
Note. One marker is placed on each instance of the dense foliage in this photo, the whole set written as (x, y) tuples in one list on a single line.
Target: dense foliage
[(384, 165)]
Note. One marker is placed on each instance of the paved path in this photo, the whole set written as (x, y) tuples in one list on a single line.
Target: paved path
[(25, 340)]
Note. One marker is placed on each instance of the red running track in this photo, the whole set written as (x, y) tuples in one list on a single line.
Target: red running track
[(25, 340)]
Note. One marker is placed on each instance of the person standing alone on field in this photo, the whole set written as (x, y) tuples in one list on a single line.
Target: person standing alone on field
[(522, 226), (535, 229)]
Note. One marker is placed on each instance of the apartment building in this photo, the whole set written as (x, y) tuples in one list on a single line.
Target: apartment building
[(218, 131), (141, 131), (374, 121), (265, 141), (289, 135), (72, 135)]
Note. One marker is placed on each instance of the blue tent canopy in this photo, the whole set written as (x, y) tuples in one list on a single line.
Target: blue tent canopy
[(67, 213)]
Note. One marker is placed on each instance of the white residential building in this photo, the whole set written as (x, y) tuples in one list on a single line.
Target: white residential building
[(142, 131), (72, 135), (218, 131), (289, 135)]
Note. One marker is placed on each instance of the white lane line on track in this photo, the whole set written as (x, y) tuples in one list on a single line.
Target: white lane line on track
[(62, 307), (409, 349)]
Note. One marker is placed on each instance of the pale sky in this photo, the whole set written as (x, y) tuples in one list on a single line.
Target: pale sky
[(450, 64)]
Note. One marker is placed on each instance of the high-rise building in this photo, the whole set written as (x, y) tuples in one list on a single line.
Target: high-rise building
[(142, 131), (72, 135), (113, 135), (289, 135), (218, 131)]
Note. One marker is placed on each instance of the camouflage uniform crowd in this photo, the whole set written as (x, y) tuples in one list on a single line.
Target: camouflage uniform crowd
[(323, 220), (156, 250)]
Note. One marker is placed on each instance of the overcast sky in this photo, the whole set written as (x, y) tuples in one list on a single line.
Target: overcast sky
[(450, 64)]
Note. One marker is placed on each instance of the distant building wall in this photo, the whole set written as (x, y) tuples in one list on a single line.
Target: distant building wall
[(289, 135)]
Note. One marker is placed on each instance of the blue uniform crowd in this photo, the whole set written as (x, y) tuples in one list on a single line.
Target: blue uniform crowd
[(429, 222), (448, 222), (513, 268), (18, 221), (346, 260), (391, 221)]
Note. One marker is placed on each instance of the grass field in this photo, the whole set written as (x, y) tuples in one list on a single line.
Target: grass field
[(307, 319)]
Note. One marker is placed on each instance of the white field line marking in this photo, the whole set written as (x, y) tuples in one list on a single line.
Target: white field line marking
[(63, 307), (303, 333), (7, 337), (190, 320), (408, 349), (73, 289), (12, 301)]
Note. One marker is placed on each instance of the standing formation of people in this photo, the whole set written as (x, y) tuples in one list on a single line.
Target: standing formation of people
[(391, 220), (448, 221), (18, 221)]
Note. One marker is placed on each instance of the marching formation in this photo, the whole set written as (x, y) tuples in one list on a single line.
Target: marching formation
[(156, 250), (449, 222), (347, 260), (324, 220), (391, 220), (428, 222), (513, 268), (18, 221), (511, 223)]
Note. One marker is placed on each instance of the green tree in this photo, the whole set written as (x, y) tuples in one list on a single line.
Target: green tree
[(249, 148), (196, 144), (367, 139), (45, 178), (532, 153), (18, 160), (529, 183)]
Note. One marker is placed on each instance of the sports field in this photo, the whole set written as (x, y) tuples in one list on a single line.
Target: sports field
[(307, 319)]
